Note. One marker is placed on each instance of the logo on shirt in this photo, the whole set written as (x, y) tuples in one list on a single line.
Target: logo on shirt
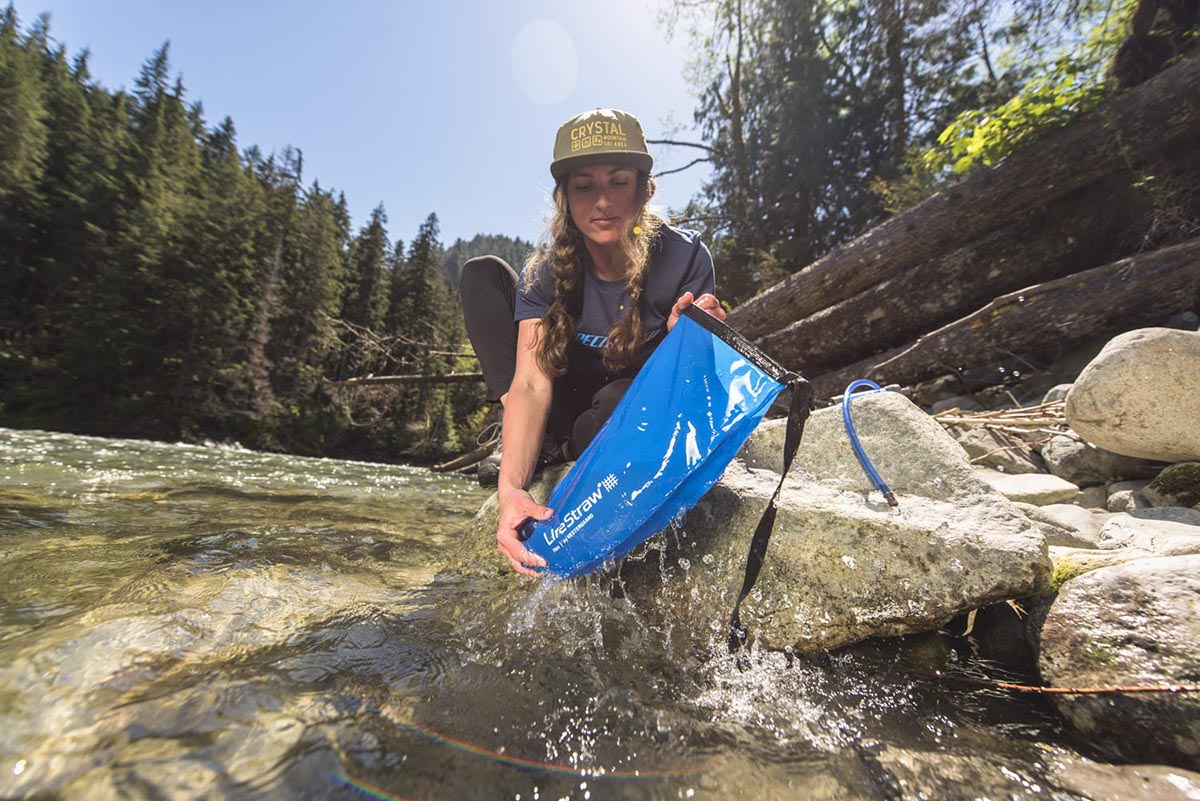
[(595, 341)]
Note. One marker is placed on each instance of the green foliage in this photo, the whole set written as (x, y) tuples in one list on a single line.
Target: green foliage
[(155, 281), (1068, 85)]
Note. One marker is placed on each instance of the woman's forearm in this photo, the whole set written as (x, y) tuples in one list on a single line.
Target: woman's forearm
[(525, 412)]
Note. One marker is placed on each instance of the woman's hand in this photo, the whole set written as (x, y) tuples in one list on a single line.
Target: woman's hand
[(707, 302), (516, 505)]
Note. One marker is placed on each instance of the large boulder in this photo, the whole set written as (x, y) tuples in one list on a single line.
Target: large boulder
[(1082, 463), (842, 566), (1131, 624), (1138, 397)]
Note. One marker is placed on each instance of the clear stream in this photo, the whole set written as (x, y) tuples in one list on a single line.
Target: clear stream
[(183, 622)]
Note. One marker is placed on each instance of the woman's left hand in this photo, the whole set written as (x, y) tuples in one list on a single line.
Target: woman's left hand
[(706, 302)]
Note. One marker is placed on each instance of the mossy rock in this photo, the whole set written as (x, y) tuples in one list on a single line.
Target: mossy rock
[(1177, 485)]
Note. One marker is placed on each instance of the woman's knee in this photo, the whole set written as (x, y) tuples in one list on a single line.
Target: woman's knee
[(608, 396), (485, 271)]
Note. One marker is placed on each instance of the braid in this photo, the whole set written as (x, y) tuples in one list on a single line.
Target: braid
[(640, 236)]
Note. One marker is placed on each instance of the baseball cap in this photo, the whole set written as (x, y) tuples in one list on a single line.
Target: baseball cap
[(598, 136)]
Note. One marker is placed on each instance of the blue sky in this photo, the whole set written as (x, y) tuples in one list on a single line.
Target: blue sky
[(448, 107)]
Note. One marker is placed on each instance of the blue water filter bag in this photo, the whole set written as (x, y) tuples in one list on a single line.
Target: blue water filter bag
[(683, 419)]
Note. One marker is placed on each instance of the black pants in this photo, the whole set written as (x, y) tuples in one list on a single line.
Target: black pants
[(488, 288)]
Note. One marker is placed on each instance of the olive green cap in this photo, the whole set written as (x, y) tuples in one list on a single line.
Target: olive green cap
[(598, 136)]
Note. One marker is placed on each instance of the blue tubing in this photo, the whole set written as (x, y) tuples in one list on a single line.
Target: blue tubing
[(872, 473)]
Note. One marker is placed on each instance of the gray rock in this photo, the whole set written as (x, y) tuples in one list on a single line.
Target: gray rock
[(1099, 782), (1184, 321), (1082, 463), (1174, 514), (841, 567), (1132, 624), (989, 449), (963, 402), (1056, 393), (1141, 396), (1038, 489), (1160, 537), (911, 450), (1067, 524), (1126, 496), (1092, 498), (1177, 485)]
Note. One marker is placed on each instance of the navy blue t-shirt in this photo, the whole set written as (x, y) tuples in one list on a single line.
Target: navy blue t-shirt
[(671, 272)]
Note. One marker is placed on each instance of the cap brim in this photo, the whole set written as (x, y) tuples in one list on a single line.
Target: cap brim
[(632, 158)]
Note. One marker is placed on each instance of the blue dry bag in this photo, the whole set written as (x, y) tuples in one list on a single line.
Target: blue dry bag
[(683, 419)]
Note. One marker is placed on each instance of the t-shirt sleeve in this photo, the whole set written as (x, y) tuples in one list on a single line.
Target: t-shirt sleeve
[(701, 277), (534, 300)]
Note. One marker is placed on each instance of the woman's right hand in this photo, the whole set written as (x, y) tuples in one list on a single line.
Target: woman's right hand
[(516, 506)]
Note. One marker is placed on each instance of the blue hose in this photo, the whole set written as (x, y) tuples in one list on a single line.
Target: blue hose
[(872, 473)]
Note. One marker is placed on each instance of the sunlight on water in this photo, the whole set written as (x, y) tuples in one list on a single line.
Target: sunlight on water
[(183, 622)]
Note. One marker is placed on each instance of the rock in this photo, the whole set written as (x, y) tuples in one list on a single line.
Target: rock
[(1184, 321), (1067, 524), (1160, 537), (989, 449), (911, 450), (1092, 498), (1177, 485), (842, 565), (1132, 624), (1175, 514), (1056, 393), (1038, 489), (927, 393), (1082, 463), (841, 568), (964, 402), (1125, 496), (1138, 397), (1072, 562), (1099, 782)]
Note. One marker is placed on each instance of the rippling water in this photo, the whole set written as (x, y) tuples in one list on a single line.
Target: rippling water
[(182, 622)]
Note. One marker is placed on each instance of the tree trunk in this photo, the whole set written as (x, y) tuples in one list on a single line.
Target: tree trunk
[(1089, 227), (1125, 132), (1140, 290)]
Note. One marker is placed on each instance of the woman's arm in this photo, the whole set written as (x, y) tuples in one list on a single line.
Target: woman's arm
[(526, 408)]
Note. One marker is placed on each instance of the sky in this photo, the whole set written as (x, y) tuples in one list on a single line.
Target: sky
[(448, 107)]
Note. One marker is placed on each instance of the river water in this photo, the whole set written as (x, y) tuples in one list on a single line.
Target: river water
[(183, 622)]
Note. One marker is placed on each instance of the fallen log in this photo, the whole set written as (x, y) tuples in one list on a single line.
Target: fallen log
[(1129, 130), (1092, 226), (447, 378), (1139, 290)]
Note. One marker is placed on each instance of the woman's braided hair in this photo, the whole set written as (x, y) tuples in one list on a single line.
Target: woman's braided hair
[(562, 250)]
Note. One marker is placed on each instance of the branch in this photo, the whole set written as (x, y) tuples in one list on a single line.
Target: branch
[(679, 144), (448, 378), (691, 163)]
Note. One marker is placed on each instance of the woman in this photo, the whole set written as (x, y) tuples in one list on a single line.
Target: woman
[(609, 280)]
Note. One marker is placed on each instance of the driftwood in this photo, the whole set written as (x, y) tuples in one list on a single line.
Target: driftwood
[(448, 378), (1134, 291), (467, 459), (1092, 226), (1130, 130)]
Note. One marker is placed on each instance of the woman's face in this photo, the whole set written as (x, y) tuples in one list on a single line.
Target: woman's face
[(602, 199)]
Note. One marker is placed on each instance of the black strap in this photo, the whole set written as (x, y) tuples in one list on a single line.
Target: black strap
[(801, 405)]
